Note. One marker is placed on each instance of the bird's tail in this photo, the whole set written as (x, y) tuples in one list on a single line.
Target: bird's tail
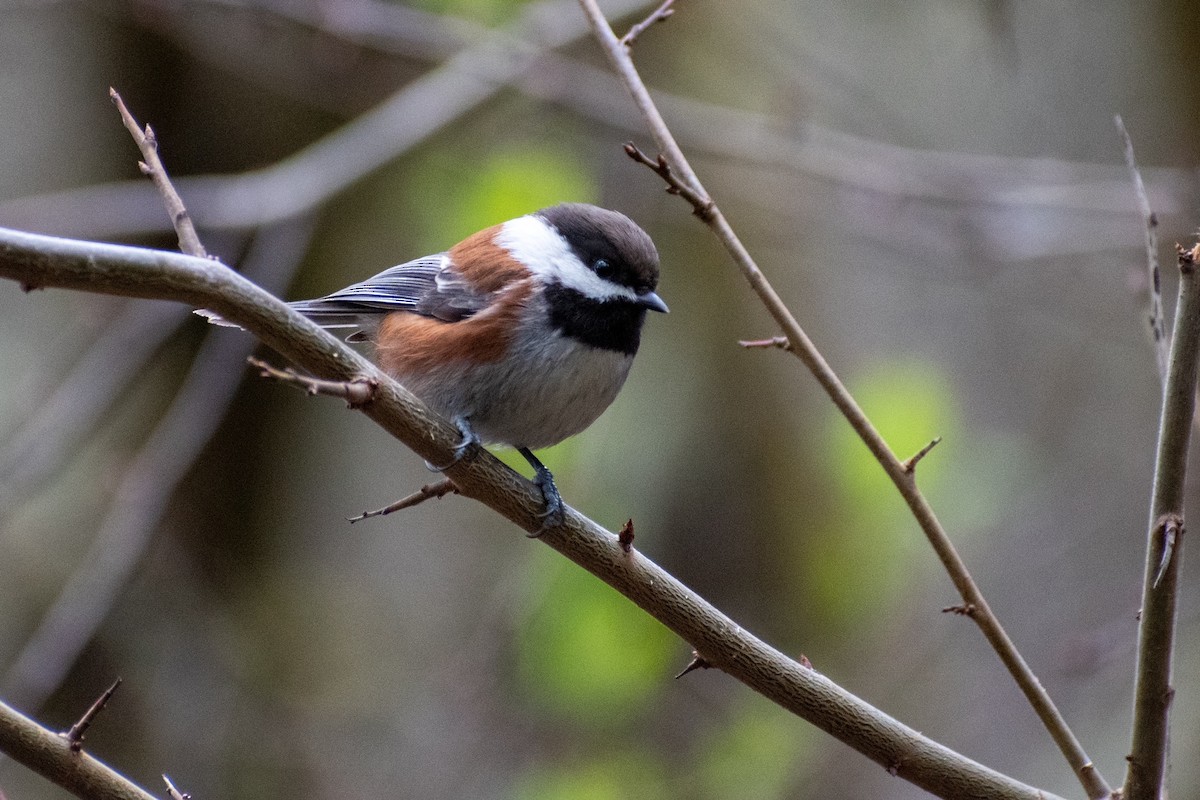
[(332, 313), (326, 313), (215, 319)]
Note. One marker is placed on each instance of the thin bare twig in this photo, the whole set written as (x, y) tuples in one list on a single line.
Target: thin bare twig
[(356, 392), (674, 168), (429, 491), (780, 342), (702, 205), (659, 14), (152, 166), (1157, 321), (75, 735), (1156, 635), (962, 610)]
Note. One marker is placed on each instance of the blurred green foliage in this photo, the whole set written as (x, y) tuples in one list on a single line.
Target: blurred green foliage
[(487, 12), (758, 753), (622, 775), (856, 567), (504, 183), (587, 652)]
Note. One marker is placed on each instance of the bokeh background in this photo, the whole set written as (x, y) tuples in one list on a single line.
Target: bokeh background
[(936, 188)]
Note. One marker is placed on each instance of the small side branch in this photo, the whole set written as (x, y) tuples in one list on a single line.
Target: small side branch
[(429, 491), (659, 14), (75, 735), (152, 167), (779, 342), (962, 610), (357, 393), (1156, 319), (702, 204)]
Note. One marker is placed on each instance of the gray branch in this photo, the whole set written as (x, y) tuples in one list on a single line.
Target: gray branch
[(1152, 689), (41, 261)]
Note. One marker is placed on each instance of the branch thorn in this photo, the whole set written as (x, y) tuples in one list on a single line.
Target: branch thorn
[(625, 536), (910, 464), (75, 735), (963, 610), (698, 662), (1172, 527), (174, 793), (1187, 258)]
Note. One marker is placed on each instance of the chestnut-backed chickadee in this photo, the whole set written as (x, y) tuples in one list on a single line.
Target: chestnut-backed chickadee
[(521, 334)]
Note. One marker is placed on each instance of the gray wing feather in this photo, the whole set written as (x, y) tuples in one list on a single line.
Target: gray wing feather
[(425, 286), (397, 288)]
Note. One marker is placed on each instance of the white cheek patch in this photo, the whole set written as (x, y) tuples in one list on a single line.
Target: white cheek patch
[(546, 253)]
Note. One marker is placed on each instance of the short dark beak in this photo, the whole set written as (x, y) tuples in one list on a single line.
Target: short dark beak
[(653, 302)]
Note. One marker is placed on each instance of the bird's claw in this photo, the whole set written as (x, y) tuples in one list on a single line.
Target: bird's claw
[(469, 439), (552, 516)]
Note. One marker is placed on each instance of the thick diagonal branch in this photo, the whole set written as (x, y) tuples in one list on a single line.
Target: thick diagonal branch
[(42, 261)]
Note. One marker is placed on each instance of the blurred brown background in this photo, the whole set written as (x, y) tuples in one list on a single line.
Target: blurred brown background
[(937, 189)]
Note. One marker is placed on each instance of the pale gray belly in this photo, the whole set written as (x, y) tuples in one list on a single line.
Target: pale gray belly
[(550, 389)]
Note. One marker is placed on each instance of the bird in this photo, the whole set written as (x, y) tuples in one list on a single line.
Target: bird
[(521, 335)]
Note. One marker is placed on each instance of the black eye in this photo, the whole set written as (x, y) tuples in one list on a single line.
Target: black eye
[(603, 267)]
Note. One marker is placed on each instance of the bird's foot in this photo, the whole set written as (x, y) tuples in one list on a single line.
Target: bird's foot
[(469, 439), (552, 515)]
